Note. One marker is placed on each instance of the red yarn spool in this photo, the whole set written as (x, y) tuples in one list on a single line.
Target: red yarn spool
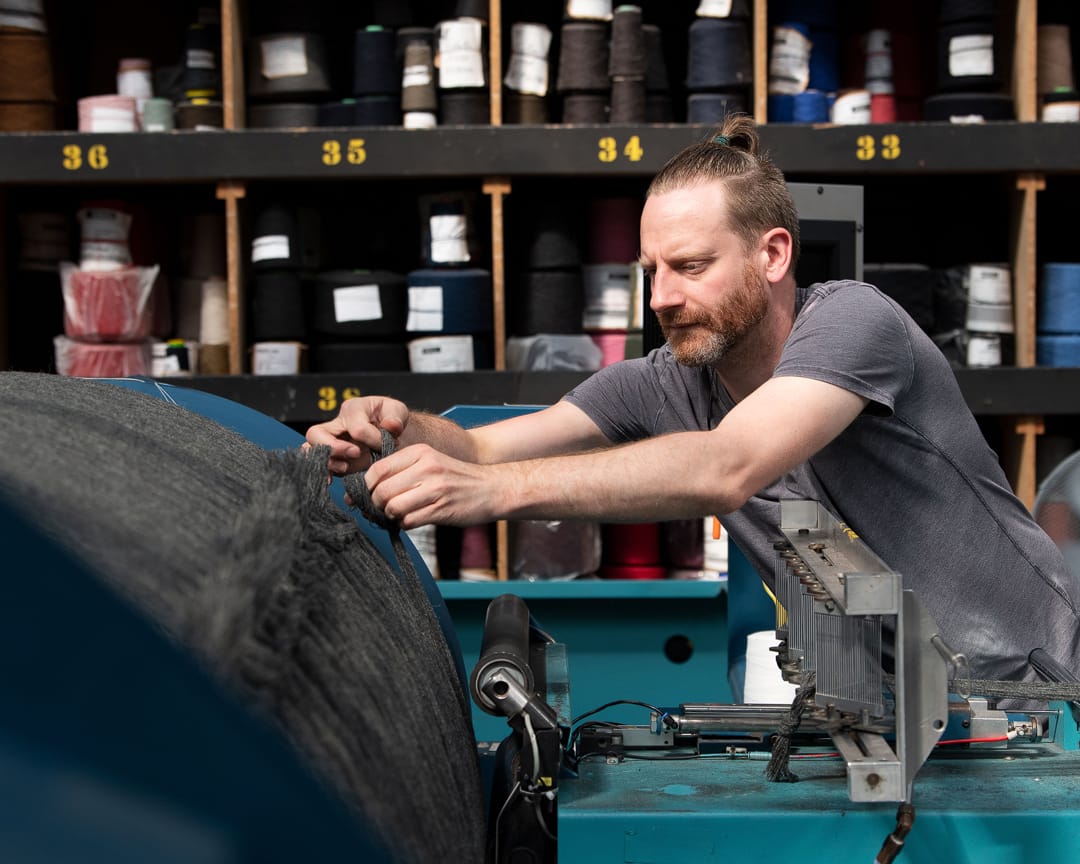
[(635, 544), (101, 360), (107, 306), (632, 571)]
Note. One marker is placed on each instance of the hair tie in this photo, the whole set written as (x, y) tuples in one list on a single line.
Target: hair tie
[(722, 140)]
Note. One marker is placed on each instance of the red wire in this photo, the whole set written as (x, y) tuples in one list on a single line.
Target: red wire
[(974, 740)]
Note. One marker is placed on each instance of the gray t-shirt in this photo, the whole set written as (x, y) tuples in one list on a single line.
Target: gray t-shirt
[(912, 475)]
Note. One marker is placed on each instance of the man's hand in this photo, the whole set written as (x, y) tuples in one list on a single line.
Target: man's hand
[(356, 431), (418, 485)]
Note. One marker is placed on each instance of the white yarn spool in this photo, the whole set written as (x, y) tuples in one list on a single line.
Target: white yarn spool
[(851, 108), (763, 684), (441, 354), (214, 313)]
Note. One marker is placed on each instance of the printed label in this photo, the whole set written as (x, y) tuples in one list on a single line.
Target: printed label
[(527, 74), (270, 247), (425, 308), (357, 303), (789, 66), (284, 57), (971, 55)]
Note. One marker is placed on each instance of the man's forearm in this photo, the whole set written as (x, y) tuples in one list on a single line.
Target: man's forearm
[(442, 434)]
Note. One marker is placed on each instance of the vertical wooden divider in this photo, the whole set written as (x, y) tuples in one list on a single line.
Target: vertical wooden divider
[(231, 191), (760, 52)]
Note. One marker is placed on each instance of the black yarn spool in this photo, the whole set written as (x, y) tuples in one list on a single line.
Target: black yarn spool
[(742, 9), (375, 68), (947, 81), (465, 299), (201, 74), (200, 114), (550, 238), (656, 77), (524, 109), (658, 108), (283, 115), (583, 57), (418, 92), (627, 100), (283, 86), (377, 111), (719, 55), (585, 108), (360, 357), (952, 11), (464, 108), (472, 9), (813, 13), (627, 51), (713, 107), (277, 307), (275, 243), (341, 113), (944, 107), (327, 304), (912, 287), (548, 301)]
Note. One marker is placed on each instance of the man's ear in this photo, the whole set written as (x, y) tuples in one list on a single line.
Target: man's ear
[(776, 245)]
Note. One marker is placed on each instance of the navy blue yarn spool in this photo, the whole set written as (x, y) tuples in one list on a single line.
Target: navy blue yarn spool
[(583, 57), (358, 303), (984, 75), (713, 107), (809, 107), (458, 301), (547, 301), (275, 243), (824, 60), (812, 13), (277, 307), (960, 107), (627, 50), (656, 76), (719, 55), (360, 357), (271, 79), (283, 115), (376, 70), (1057, 350), (966, 10), (1059, 298)]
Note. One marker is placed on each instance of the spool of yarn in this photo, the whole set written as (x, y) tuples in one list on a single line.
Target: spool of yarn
[(613, 230), (134, 78), (476, 560), (627, 100), (809, 107), (449, 301), (883, 108), (1060, 108), (713, 107), (471, 9), (527, 71), (157, 115), (442, 354), (988, 283), (188, 308), (968, 57), (852, 107), (26, 15), (418, 91), (1055, 69), (984, 350), (627, 48), (446, 230), (719, 55), (524, 109), (27, 116), (419, 120), (214, 359), (461, 54), (824, 60), (277, 358), (550, 238), (764, 683), (359, 303), (464, 108), (283, 115), (288, 67), (201, 78), (105, 233), (723, 9), (968, 108), (360, 357), (277, 307), (588, 10), (656, 76), (110, 113), (375, 69), (199, 114), (607, 296), (275, 239), (549, 301), (612, 345), (1059, 298), (214, 312), (789, 59), (585, 108), (101, 360), (878, 75), (25, 68), (107, 305), (1057, 350), (583, 57), (632, 544), (340, 113)]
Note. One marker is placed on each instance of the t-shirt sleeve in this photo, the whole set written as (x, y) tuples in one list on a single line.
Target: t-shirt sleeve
[(854, 337)]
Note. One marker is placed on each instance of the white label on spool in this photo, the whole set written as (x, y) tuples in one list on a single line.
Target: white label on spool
[(983, 350), (851, 108), (419, 120), (462, 34), (714, 9), (879, 66), (270, 247), (532, 40), (461, 69), (441, 354), (357, 303), (448, 239), (789, 66), (284, 57), (135, 82), (425, 308), (31, 18), (416, 76), (966, 119), (971, 55), (1061, 112), (527, 74), (105, 118), (592, 10), (989, 284), (200, 58), (275, 358)]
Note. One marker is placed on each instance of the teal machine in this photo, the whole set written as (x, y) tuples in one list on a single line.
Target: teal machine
[(865, 764)]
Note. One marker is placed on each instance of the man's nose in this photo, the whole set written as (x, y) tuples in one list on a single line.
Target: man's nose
[(663, 291)]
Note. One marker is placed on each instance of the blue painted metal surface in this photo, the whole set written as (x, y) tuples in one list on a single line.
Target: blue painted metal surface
[(987, 809)]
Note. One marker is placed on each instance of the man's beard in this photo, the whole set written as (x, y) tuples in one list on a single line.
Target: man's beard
[(718, 331)]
